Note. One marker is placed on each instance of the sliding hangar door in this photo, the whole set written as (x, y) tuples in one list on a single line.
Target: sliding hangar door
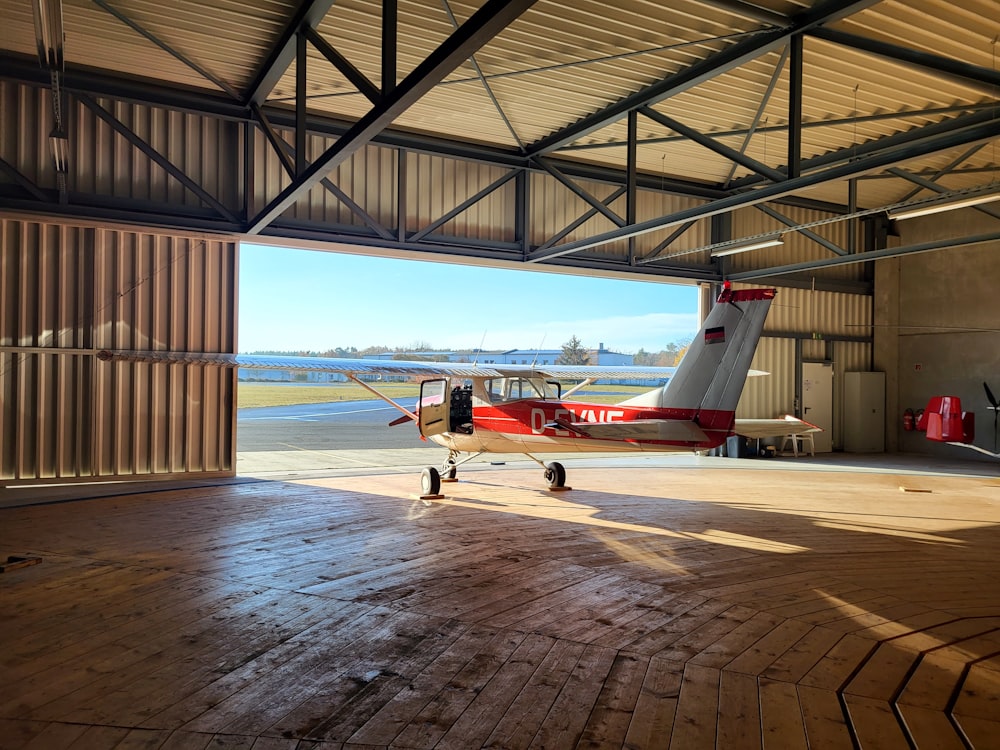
[(139, 146)]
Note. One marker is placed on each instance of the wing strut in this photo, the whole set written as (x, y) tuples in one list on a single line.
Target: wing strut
[(382, 396), (578, 386)]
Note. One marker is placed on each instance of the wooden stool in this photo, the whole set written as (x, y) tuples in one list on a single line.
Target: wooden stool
[(800, 443)]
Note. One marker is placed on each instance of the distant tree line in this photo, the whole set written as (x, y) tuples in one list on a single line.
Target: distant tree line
[(573, 353)]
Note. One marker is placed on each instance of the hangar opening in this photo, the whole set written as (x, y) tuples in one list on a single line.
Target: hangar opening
[(770, 144)]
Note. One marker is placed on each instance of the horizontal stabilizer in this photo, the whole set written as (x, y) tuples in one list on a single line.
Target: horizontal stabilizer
[(678, 430), (764, 428)]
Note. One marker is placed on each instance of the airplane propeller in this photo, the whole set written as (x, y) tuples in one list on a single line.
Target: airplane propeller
[(996, 411)]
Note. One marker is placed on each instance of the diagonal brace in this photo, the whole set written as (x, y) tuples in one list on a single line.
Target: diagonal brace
[(485, 23)]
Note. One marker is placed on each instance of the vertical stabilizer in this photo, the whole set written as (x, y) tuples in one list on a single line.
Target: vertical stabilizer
[(709, 380)]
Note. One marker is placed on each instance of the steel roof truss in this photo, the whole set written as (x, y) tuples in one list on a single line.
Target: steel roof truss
[(889, 252), (949, 169), (657, 251), (759, 114), (492, 18), (631, 179), (931, 185), (926, 133), (155, 156), (582, 219), (729, 58), (11, 171), (341, 63), (463, 206), (308, 13), (871, 162), (282, 148), (819, 239), (579, 192), (710, 143), (301, 101), (795, 107)]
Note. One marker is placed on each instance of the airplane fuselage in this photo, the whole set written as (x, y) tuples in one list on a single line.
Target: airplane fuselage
[(552, 426)]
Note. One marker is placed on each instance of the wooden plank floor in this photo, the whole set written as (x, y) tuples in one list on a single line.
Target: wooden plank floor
[(683, 609)]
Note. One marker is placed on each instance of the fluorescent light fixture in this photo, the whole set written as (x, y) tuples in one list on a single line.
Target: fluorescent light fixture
[(935, 207), (59, 144), (745, 246), (49, 34)]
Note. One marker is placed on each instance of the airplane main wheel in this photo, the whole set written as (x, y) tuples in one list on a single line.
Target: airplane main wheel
[(430, 481), (555, 475)]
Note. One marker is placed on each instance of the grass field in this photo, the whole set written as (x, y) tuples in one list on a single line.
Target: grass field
[(255, 395)]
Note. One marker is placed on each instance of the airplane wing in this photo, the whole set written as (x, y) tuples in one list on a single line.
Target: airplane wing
[(395, 366), (639, 429), (764, 428)]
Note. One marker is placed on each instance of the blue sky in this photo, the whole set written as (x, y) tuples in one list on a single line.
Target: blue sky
[(293, 300)]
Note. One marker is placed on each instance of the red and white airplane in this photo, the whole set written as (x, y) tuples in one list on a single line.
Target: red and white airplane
[(472, 409)]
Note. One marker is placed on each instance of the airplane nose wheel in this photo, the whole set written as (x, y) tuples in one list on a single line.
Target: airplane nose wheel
[(555, 475), (430, 481)]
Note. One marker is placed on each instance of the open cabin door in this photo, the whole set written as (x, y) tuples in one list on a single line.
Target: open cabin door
[(435, 407)]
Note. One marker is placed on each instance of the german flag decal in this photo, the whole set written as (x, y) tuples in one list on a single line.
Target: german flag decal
[(715, 335)]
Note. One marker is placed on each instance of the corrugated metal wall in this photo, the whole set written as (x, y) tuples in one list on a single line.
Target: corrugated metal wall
[(821, 326), (70, 291), (103, 162)]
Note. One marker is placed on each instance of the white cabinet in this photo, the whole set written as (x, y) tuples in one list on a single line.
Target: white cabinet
[(864, 412)]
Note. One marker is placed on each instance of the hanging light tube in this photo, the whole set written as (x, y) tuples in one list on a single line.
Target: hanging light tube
[(744, 247), (947, 205)]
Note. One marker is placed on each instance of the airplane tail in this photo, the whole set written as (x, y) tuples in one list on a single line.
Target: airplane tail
[(710, 377)]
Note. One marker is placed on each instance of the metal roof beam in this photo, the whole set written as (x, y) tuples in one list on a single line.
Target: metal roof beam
[(286, 150), (931, 185), (158, 158), (947, 169), (833, 122), (713, 145), (761, 108), (11, 171), (925, 133), (956, 69), (819, 239), (463, 206), (890, 252), (308, 13), (583, 218), (492, 18), (872, 162), (794, 162), (729, 58), (345, 66), (657, 251), (580, 193)]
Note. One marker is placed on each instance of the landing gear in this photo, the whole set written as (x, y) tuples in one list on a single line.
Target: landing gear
[(449, 472), (430, 481), (555, 475)]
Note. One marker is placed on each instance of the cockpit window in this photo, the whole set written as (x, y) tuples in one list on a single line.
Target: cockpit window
[(513, 389)]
